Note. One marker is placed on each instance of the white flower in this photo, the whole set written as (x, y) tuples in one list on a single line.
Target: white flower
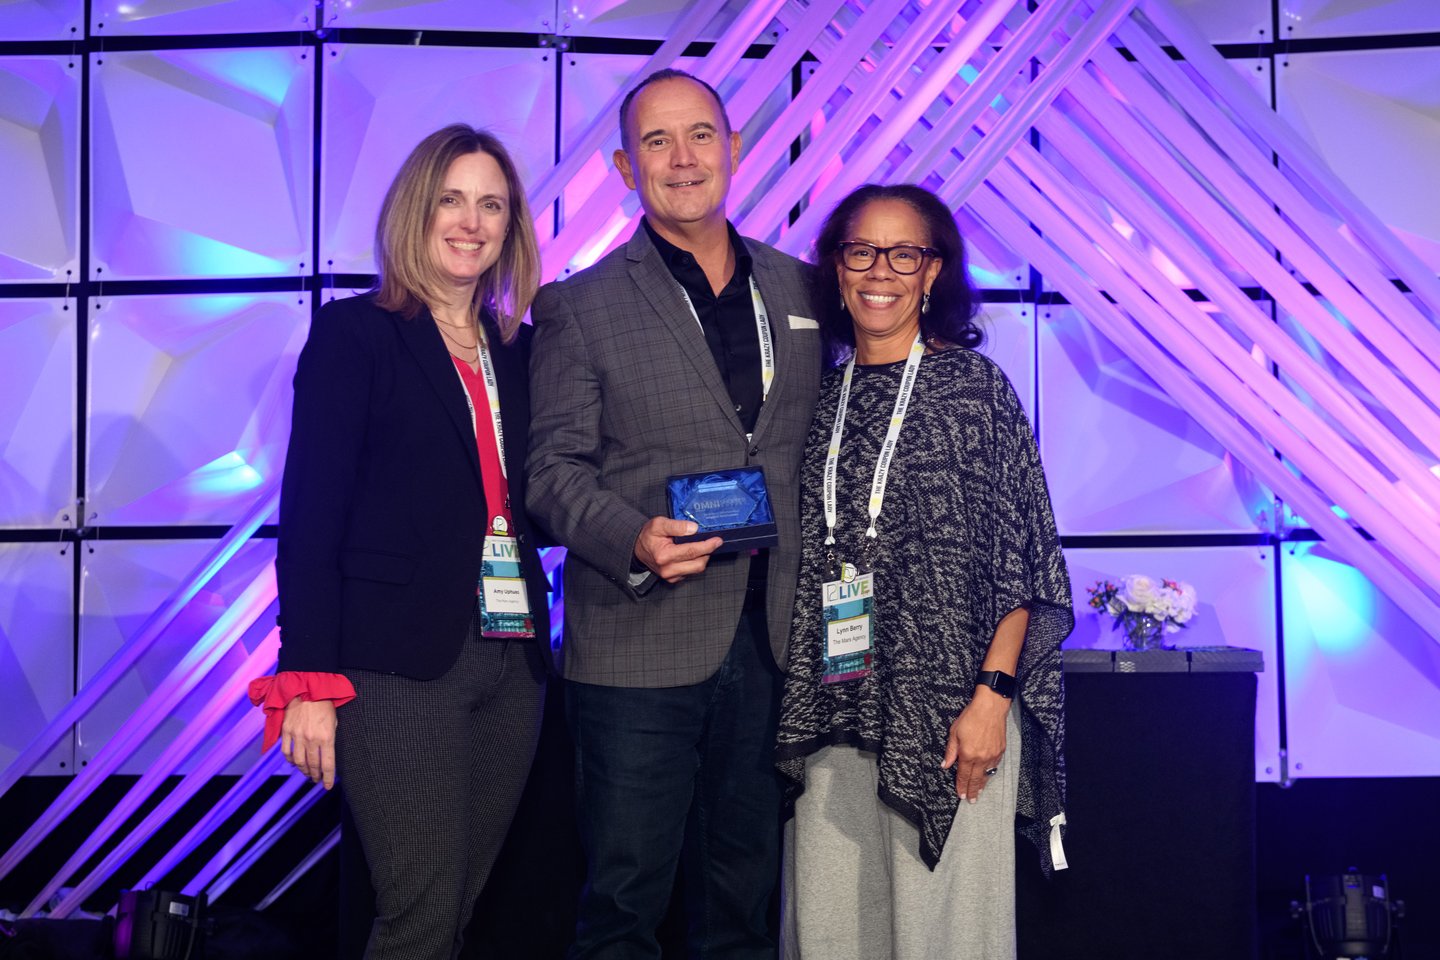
[(1183, 603), (1138, 593)]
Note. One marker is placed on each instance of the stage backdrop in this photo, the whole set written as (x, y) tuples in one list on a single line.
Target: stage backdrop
[(1207, 234)]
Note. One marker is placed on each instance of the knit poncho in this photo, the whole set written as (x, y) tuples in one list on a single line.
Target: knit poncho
[(966, 536)]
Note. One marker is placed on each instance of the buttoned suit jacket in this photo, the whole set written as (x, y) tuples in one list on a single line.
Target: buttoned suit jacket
[(382, 505), (625, 394)]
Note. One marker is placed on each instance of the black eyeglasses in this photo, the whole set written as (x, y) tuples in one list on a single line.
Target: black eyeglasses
[(859, 256)]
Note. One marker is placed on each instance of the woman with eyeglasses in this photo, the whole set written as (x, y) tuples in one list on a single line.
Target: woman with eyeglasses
[(921, 721)]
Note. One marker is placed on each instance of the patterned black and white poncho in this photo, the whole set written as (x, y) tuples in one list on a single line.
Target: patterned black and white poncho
[(966, 536)]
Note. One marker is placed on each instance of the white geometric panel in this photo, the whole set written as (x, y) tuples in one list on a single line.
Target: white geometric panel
[(652, 19), (1356, 18), (1121, 456), (160, 17), (519, 16), (1254, 69), (1236, 589), (189, 404), (40, 157), (590, 80), (37, 413), (1009, 330), (1229, 21), (1362, 681), (379, 101), (37, 649), (201, 163), (42, 19), (121, 584), (1374, 116)]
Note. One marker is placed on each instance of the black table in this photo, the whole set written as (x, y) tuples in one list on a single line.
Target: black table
[(1161, 812)]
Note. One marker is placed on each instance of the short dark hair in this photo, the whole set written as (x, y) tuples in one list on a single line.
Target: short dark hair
[(953, 302), (669, 73)]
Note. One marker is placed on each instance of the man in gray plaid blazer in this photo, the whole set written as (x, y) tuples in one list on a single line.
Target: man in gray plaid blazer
[(653, 363)]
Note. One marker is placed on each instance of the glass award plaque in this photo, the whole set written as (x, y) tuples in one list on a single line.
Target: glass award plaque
[(731, 504)]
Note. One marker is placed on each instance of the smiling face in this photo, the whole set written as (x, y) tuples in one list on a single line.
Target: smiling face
[(884, 306), (680, 158), (469, 223)]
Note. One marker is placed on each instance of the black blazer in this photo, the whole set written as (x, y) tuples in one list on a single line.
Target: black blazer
[(382, 512)]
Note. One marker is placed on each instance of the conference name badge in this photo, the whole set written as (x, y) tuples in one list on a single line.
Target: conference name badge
[(504, 603), (848, 615), (733, 505)]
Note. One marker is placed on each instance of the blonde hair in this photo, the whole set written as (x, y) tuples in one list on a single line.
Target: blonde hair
[(409, 280)]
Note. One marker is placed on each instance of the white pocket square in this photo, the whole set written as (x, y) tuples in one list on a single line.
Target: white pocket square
[(802, 323)]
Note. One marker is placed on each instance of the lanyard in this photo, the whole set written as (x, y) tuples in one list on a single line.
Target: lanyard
[(887, 450), (762, 330), (497, 495)]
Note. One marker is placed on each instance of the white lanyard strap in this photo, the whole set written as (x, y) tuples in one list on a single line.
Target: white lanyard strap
[(492, 396), (887, 449), (762, 332)]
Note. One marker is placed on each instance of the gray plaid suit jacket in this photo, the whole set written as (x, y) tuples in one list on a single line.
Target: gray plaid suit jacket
[(625, 394)]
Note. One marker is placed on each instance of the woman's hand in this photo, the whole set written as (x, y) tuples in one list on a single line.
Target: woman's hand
[(307, 738), (976, 742)]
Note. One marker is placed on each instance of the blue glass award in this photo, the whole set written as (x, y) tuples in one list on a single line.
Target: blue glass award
[(731, 504)]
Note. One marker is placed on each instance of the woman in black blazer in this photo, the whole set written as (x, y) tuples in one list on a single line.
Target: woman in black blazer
[(408, 572)]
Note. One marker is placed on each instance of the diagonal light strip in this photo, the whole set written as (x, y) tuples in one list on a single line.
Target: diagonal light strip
[(1145, 285), (936, 78), (1037, 98), (1377, 500), (682, 33), (1258, 211), (240, 792), (241, 736), (765, 217), (197, 663), (581, 226), (217, 887), (331, 841), (131, 651), (1220, 222), (1381, 443), (1215, 418), (1298, 155), (1351, 262), (235, 850), (848, 54)]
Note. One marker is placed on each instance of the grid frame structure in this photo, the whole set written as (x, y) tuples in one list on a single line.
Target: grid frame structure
[(1271, 42)]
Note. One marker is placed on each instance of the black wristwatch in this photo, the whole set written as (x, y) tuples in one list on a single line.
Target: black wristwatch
[(1001, 683)]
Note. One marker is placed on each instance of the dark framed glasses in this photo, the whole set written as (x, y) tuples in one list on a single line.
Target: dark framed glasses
[(859, 256)]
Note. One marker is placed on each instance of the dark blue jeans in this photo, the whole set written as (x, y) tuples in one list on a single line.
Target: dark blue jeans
[(680, 775)]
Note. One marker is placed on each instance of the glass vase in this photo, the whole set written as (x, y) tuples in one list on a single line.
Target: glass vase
[(1143, 632)]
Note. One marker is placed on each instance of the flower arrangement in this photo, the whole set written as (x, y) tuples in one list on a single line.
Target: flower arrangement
[(1145, 609)]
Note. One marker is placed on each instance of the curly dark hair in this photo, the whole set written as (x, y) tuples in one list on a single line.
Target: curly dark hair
[(953, 302)]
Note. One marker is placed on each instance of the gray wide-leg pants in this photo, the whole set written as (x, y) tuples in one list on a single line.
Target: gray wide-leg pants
[(856, 888)]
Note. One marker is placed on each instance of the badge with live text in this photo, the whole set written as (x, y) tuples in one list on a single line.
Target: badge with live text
[(504, 604), (848, 614)]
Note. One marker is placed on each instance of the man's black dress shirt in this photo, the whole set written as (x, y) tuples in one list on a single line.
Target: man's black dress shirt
[(727, 320)]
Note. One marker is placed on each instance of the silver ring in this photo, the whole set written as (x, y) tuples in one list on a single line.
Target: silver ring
[(992, 771)]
